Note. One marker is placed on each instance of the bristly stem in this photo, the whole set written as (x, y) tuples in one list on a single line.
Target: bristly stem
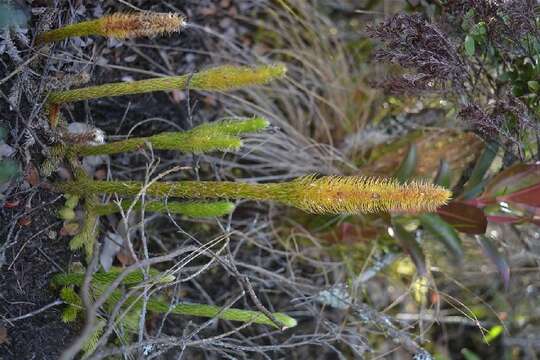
[(219, 135), (119, 25), (325, 195), (221, 78), (191, 209), (101, 279)]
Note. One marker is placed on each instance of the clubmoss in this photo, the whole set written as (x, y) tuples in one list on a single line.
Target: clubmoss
[(119, 25), (324, 195)]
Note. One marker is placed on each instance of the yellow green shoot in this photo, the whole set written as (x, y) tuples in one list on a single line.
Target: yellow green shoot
[(119, 25), (219, 135), (324, 195), (101, 279), (221, 78), (191, 209)]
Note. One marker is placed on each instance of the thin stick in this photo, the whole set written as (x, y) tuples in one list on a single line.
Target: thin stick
[(35, 312)]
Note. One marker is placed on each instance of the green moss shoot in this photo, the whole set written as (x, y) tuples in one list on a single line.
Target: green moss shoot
[(191, 209), (215, 136), (325, 195), (221, 78)]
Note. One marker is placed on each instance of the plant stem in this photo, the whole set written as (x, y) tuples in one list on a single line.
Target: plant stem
[(219, 135), (119, 25), (210, 311), (221, 78), (194, 209), (84, 28), (325, 195)]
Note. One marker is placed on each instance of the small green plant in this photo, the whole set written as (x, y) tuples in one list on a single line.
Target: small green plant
[(101, 280), (216, 136), (132, 305), (220, 78), (325, 195), (119, 26)]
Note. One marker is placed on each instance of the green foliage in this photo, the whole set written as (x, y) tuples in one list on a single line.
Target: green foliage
[(211, 311), (107, 277), (101, 279), (219, 135), (444, 175), (9, 169), (91, 343), (118, 25), (443, 232), (408, 165), (221, 78), (493, 333), (475, 185), (469, 44), (87, 236), (325, 195), (73, 301), (191, 209)]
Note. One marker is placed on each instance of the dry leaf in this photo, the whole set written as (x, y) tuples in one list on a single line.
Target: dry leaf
[(69, 229), (31, 175)]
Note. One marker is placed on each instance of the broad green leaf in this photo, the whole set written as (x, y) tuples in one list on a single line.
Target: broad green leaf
[(444, 175), (443, 232), (479, 29), (408, 165), (482, 166), (469, 45)]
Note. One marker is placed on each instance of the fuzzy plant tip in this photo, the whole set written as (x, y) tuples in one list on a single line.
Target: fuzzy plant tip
[(359, 194), (143, 24), (229, 77), (120, 26)]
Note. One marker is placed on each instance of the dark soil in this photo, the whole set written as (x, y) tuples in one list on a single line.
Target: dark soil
[(38, 253)]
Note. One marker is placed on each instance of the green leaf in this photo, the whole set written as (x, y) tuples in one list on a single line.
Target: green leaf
[(482, 166), (533, 85), (66, 214), (444, 175), (9, 169), (191, 209), (469, 355), (479, 30), (408, 165), (470, 47), (493, 333), (443, 232)]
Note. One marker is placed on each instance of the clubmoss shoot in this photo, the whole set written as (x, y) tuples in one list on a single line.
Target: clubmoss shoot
[(119, 26), (324, 195), (221, 78)]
